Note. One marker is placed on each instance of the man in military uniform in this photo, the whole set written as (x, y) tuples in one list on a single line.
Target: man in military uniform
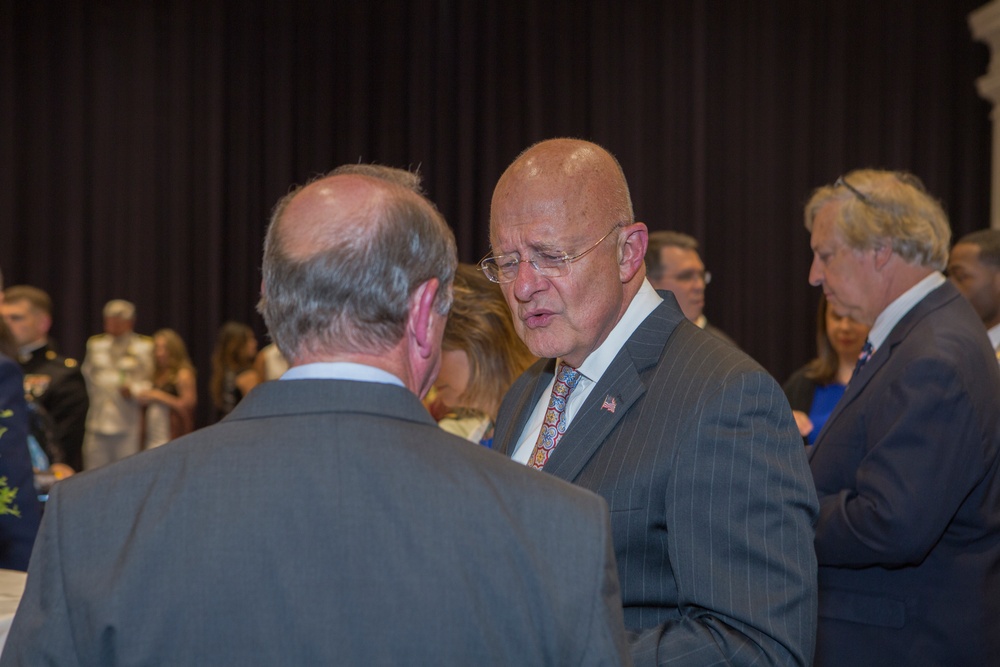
[(118, 367), (51, 381)]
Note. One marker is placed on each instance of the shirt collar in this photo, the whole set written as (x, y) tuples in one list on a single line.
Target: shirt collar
[(645, 302), (904, 303), (994, 335), (341, 370), (29, 349)]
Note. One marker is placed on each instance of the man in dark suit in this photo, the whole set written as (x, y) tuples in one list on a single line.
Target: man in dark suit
[(673, 264), (691, 443), (908, 538), (20, 510), (328, 520), (53, 381)]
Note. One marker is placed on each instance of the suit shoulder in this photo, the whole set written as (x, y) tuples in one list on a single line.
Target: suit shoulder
[(701, 345)]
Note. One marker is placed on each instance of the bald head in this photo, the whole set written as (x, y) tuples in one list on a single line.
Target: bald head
[(566, 199), (342, 256), (333, 211), (558, 174)]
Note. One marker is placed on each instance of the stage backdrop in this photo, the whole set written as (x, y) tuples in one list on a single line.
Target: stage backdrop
[(142, 145)]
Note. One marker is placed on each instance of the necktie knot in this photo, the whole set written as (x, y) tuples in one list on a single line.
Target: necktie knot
[(567, 379), (866, 353), (555, 422)]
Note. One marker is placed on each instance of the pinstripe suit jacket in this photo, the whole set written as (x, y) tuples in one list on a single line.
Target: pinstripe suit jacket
[(712, 504), (908, 473)]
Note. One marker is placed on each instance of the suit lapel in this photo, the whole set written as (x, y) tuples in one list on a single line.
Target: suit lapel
[(936, 299), (614, 394), (509, 432)]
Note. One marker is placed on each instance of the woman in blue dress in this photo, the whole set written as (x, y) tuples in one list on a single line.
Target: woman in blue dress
[(814, 389)]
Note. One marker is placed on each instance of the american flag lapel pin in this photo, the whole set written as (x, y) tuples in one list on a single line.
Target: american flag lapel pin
[(609, 404)]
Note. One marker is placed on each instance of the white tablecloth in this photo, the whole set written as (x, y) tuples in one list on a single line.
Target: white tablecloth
[(11, 589)]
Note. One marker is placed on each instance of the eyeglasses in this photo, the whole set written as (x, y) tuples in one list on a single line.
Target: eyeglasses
[(691, 276), (503, 268)]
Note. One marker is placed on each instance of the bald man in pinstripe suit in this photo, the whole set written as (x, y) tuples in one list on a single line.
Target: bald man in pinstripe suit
[(691, 442)]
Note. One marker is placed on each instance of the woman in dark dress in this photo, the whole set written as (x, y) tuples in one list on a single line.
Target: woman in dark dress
[(233, 375)]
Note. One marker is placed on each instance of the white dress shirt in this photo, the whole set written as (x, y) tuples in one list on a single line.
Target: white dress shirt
[(904, 303), (340, 370), (591, 370)]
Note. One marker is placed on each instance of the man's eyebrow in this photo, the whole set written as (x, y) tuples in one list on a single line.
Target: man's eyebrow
[(533, 247)]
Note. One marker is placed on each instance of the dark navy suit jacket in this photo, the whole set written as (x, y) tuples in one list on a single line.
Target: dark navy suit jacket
[(908, 538), (20, 514)]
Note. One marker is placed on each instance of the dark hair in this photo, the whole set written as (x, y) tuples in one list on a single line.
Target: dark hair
[(660, 240), (823, 369), (229, 347), (988, 242)]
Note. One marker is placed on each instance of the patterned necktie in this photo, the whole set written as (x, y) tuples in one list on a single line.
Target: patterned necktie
[(866, 353), (554, 424)]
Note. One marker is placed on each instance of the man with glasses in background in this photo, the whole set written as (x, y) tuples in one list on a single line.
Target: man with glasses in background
[(908, 538), (673, 263), (691, 442)]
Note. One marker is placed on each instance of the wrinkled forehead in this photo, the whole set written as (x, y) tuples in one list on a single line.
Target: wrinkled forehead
[(826, 226), (540, 214)]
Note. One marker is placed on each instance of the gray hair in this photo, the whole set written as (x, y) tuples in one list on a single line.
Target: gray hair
[(876, 206), (660, 240), (353, 295), (411, 180)]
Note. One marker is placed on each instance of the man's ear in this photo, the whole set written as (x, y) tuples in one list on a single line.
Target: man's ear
[(423, 316), (632, 250), (883, 253)]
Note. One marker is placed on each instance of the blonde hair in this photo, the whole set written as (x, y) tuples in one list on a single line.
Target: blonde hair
[(480, 325), (877, 206), (177, 353)]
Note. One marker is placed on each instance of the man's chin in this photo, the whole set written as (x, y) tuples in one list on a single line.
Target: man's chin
[(543, 344)]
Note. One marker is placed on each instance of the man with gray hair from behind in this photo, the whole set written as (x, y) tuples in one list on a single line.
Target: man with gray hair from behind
[(327, 519), (906, 467)]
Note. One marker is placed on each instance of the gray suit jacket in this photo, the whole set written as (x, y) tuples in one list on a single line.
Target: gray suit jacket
[(322, 523), (908, 473), (712, 504)]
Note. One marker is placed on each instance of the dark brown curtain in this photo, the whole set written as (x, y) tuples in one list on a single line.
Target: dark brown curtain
[(142, 145)]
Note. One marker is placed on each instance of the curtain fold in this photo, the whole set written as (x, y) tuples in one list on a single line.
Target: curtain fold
[(142, 145)]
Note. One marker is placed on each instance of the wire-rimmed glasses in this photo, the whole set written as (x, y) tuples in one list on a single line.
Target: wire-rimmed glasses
[(503, 268)]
